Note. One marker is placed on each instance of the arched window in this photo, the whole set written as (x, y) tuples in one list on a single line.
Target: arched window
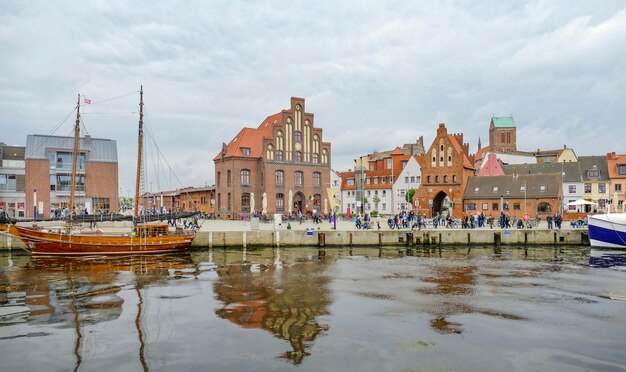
[(445, 179), (317, 179), (218, 182), (434, 160), (544, 208), (280, 178), (279, 140), (219, 201), (245, 176), (324, 156), (230, 200), (316, 143), (315, 158), (297, 156), (228, 178), (245, 202), (280, 202), (297, 136), (298, 178), (279, 155), (449, 156), (270, 152), (317, 201)]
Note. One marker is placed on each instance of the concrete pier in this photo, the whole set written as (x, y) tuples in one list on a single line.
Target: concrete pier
[(237, 235)]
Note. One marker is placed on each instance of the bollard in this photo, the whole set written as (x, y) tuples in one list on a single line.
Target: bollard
[(380, 239), (409, 239), (497, 239), (584, 238), (321, 239)]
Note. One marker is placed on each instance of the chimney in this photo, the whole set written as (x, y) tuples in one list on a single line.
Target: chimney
[(411, 149), (515, 173)]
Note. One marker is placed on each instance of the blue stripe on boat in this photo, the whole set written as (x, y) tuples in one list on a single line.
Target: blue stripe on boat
[(607, 235)]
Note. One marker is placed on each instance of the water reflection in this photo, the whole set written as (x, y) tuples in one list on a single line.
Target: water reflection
[(282, 299)]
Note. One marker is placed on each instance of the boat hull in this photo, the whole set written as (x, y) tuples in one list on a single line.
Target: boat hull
[(608, 230), (45, 243)]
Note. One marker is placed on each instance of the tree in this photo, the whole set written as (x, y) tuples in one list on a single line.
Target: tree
[(409, 196), (376, 200)]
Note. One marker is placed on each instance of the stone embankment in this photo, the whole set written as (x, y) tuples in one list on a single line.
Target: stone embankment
[(234, 236)]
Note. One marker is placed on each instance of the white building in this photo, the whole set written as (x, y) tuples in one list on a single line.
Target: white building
[(409, 178)]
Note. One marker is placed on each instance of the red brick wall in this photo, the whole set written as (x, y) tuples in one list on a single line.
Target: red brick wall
[(37, 178), (101, 181)]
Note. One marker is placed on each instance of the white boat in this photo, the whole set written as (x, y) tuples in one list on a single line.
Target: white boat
[(607, 230)]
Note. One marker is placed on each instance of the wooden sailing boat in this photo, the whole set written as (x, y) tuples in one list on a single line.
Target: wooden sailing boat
[(143, 239)]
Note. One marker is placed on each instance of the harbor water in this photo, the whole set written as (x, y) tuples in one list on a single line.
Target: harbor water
[(306, 309)]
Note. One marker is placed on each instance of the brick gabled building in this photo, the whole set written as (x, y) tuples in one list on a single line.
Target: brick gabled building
[(445, 170), (285, 153)]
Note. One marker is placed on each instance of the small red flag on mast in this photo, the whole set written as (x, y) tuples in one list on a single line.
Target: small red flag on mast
[(87, 101)]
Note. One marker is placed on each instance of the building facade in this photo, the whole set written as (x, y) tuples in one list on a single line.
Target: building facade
[(12, 180), (189, 199), (515, 195), (502, 134), (616, 164), (446, 167), (48, 165), (409, 178), (285, 159)]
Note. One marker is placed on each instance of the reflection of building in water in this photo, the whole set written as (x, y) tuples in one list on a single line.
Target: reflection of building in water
[(283, 301)]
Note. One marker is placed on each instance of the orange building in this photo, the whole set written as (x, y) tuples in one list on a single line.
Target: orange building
[(446, 167), (617, 174)]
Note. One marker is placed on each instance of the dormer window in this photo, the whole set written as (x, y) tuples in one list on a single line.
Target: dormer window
[(476, 189), (522, 188), (621, 169), (245, 151), (542, 187), (593, 173), (495, 189)]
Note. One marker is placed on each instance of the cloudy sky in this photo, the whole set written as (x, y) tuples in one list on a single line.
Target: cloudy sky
[(376, 74)]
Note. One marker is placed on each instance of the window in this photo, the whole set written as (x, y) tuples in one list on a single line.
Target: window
[(593, 173), (494, 206), (101, 205), (618, 187), (369, 193), (522, 188), (571, 207), (316, 158), (476, 189), (280, 202), (245, 202), (219, 179), (219, 201), (494, 189), (428, 179), (445, 179), (383, 180), (375, 180), (245, 151), (350, 182), (621, 169), (436, 179), (297, 156), (602, 188), (376, 192), (412, 179), (384, 193), (317, 179), (403, 163), (572, 189), (280, 177), (384, 208), (388, 161), (297, 136), (64, 161), (64, 181), (279, 155), (367, 181), (8, 182), (228, 178), (516, 206), (324, 156), (542, 187), (270, 152), (406, 179), (53, 182), (317, 201), (229, 201), (587, 188), (485, 206), (245, 177), (299, 178), (544, 208), (470, 206), (454, 178)]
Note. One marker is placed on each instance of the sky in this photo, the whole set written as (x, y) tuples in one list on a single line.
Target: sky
[(376, 74)]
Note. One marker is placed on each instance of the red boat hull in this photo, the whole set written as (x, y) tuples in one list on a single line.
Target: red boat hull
[(46, 243)]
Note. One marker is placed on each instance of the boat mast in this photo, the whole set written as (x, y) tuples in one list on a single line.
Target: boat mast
[(75, 157), (139, 153)]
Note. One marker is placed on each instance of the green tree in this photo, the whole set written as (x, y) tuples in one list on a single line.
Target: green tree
[(376, 200), (409, 196)]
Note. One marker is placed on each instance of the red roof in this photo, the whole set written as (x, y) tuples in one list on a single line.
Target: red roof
[(251, 138)]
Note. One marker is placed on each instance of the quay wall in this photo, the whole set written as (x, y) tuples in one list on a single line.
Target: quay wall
[(294, 238)]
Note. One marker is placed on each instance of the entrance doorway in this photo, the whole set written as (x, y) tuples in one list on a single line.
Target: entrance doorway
[(441, 204), (298, 202)]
